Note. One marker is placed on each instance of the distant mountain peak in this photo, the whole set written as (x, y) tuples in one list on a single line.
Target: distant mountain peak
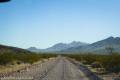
[(32, 48), (99, 46), (78, 42), (59, 46), (111, 37)]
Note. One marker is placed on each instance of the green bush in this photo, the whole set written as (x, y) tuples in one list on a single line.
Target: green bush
[(110, 62), (10, 57)]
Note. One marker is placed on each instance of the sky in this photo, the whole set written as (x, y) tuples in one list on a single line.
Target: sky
[(43, 23)]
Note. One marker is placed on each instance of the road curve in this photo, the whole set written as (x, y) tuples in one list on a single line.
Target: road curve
[(59, 68)]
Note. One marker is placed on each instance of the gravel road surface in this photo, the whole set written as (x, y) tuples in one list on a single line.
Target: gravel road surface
[(59, 68)]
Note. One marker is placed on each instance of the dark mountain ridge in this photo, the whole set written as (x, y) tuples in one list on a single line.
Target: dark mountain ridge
[(99, 46), (4, 48)]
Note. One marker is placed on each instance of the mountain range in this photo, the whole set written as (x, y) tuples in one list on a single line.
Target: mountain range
[(73, 47), (58, 47), (76, 46)]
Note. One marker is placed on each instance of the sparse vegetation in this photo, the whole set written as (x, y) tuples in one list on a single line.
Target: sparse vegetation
[(10, 58), (11, 55), (111, 62)]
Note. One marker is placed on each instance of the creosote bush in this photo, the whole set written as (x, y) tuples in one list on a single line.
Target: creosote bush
[(27, 57), (111, 62)]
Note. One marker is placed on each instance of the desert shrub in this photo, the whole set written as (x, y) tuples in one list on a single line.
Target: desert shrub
[(111, 62)]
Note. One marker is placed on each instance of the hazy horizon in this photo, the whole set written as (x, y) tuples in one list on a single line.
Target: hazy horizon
[(43, 23)]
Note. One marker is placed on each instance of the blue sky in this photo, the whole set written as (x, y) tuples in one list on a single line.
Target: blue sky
[(42, 23)]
